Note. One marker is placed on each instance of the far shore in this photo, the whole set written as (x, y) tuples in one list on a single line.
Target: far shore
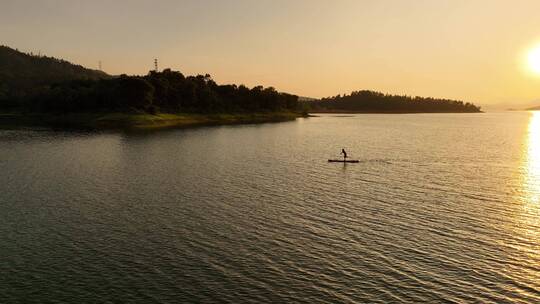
[(136, 121)]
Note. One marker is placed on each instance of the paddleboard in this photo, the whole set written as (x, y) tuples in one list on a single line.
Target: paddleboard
[(343, 161)]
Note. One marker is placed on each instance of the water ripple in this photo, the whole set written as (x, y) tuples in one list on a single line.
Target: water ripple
[(255, 214)]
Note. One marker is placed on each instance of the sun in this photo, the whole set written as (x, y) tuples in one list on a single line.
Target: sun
[(533, 60)]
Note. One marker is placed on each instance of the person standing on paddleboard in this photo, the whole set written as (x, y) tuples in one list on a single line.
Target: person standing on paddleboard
[(344, 154)]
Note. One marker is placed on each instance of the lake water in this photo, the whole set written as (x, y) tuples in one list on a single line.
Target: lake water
[(441, 208)]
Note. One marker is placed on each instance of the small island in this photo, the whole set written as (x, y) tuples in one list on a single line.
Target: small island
[(375, 102)]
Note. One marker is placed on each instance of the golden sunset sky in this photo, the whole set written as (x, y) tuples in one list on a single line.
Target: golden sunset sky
[(470, 50)]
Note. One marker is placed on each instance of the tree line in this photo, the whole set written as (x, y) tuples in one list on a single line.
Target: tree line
[(166, 91), (376, 102), (45, 84)]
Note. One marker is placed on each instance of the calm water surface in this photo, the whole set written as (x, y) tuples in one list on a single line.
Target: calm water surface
[(441, 208)]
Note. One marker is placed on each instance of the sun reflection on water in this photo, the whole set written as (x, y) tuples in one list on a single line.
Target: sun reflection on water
[(532, 166), (530, 219), (532, 181), (526, 222)]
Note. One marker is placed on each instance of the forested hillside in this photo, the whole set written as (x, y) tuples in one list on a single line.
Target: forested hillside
[(23, 74), (167, 91), (43, 84), (376, 102)]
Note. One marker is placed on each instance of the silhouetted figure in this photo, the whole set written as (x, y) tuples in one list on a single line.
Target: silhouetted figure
[(344, 154)]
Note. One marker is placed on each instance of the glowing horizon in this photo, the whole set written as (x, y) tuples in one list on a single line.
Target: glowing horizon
[(478, 51)]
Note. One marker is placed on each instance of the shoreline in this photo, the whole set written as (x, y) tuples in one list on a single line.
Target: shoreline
[(129, 121), (384, 112)]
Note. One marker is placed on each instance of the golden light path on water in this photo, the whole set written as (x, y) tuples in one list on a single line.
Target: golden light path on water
[(532, 178), (529, 222)]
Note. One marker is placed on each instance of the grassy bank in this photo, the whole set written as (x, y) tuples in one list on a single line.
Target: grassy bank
[(138, 121), (383, 112)]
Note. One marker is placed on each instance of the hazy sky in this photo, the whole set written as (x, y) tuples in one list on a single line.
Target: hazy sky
[(469, 50)]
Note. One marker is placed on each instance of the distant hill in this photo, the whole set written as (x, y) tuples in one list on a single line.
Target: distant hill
[(375, 102), (537, 108), (21, 73)]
